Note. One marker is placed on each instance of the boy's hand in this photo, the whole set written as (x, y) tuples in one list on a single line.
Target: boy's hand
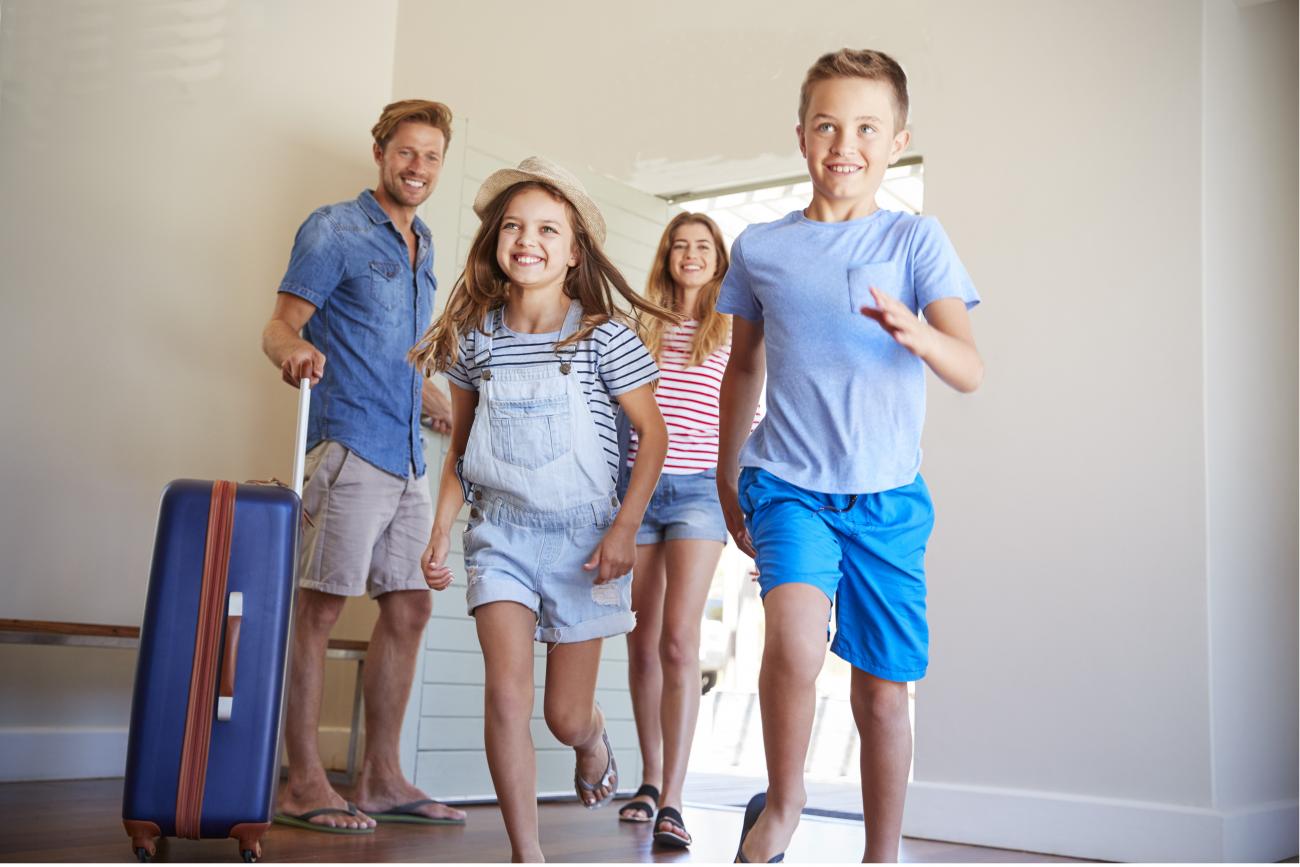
[(433, 561), (735, 518), (615, 556), (902, 324)]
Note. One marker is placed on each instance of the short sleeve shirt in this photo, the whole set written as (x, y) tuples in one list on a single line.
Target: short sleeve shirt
[(610, 361), (352, 264), (845, 402)]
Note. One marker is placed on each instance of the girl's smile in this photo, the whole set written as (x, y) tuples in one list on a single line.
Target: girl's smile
[(536, 245)]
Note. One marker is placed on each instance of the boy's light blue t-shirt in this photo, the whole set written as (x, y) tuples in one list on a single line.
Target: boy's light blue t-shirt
[(845, 403)]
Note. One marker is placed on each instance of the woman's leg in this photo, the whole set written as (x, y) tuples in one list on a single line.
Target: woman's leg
[(570, 708), (505, 632), (690, 566), (644, 675)]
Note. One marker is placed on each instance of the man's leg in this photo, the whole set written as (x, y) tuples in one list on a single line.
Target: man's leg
[(880, 711), (793, 653), (307, 787), (390, 669)]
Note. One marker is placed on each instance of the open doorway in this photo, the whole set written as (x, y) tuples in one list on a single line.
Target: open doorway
[(727, 755)]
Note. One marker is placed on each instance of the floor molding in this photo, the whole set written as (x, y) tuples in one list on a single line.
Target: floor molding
[(1108, 829)]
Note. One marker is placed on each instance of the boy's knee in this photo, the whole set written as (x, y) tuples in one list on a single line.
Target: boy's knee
[(875, 700)]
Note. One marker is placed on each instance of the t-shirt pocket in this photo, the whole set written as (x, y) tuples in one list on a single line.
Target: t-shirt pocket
[(884, 276)]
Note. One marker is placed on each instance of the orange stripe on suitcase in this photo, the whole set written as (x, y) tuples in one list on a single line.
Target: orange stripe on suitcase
[(207, 655)]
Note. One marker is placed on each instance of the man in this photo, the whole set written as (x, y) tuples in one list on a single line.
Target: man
[(360, 290)]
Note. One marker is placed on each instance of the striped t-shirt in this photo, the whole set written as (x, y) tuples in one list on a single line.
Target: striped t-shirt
[(688, 399), (610, 361)]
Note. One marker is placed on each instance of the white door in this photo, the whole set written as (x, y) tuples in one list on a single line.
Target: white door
[(443, 732)]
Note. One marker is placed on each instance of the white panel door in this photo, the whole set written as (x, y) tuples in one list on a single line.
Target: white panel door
[(443, 734)]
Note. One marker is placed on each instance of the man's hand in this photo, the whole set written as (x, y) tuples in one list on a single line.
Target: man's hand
[(435, 407), (433, 562), (615, 556), (900, 323), (303, 362), (735, 518)]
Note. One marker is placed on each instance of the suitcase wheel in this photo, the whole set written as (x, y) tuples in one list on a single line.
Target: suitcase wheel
[(143, 855), (248, 855)]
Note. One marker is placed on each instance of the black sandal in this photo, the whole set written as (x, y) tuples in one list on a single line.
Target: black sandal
[(672, 839), (638, 811)]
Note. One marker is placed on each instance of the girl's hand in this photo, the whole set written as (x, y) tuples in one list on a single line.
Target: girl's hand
[(615, 555), (433, 561), (900, 323)]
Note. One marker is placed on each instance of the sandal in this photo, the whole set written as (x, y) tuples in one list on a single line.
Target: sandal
[(753, 810), (607, 780), (639, 811), (677, 838)]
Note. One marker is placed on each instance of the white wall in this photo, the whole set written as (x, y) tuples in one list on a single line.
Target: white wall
[(155, 162)]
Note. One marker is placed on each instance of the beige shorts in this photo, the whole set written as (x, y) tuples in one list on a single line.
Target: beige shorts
[(368, 528)]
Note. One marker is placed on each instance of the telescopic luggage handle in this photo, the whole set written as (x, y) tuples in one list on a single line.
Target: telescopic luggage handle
[(300, 443)]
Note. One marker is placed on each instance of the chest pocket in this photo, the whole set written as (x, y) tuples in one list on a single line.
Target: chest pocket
[(886, 276), (389, 290), (530, 431)]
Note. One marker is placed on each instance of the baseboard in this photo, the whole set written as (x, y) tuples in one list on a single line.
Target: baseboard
[(1102, 828), (61, 753), (87, 753)]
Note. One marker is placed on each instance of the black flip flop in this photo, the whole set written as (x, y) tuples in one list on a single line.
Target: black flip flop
[(633, 811), (671, 839), (752, 811), (303, 820)]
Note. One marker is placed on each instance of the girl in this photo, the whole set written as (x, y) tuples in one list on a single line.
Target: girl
[(537, 353), (683, 532)]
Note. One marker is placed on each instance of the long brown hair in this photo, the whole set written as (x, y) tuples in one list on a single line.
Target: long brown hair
[(483, 286), (714, 328)]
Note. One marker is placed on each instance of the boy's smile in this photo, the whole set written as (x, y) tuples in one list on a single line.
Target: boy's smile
[(848, 139)]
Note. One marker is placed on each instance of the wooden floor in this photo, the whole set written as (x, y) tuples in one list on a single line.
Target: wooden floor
[(81, 821)]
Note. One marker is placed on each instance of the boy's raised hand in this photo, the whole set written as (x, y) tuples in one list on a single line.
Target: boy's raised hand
[(615, 556), (433, 562), (900, 323)]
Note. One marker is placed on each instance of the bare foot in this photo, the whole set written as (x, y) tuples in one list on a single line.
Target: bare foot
[(376, 795), (299, 798)]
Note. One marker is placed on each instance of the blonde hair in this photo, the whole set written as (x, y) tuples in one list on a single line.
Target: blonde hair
[(714, 328), (482, 286), (862, 63), (435, 114)]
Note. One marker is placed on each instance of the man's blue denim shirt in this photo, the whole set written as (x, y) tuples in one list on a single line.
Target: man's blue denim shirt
[(351, 262)]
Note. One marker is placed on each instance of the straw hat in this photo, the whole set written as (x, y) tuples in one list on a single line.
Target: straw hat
[(539, 169)]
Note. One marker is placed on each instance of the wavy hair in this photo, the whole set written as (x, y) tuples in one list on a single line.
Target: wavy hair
[(714, 328), (594, 282)]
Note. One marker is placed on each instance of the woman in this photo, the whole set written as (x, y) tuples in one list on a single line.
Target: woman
[(683, 532)]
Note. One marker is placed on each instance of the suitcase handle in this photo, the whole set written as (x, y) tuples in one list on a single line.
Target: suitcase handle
[(300, 443), (234, 617)]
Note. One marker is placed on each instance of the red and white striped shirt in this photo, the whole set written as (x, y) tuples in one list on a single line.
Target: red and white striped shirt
[(688, 399)]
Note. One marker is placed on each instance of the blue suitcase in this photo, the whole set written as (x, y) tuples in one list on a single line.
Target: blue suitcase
[(203, 753)]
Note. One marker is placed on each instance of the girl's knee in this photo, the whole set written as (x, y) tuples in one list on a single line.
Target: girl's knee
[(509, 704), (679, 648), (571, 726)]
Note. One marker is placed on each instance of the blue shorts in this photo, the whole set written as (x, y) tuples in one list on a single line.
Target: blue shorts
[(865, 552), (684, 507), (516, 554)]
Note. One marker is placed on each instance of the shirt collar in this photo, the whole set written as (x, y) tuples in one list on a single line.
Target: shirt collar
[(378, 215)]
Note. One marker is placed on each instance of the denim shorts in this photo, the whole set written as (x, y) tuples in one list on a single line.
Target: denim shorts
[(865, 552), (517, 554), (683, 507)]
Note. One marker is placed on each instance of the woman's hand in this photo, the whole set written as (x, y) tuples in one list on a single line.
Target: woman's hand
[(433, 562), (615, 555)]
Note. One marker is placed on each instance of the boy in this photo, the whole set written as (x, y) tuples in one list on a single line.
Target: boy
[(830, 503)]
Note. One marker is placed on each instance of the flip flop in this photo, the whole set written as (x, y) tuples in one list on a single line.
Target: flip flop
[(410, 814), (303, 820), (672, 839), (639, 812), (752, 811), (608, 779)]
